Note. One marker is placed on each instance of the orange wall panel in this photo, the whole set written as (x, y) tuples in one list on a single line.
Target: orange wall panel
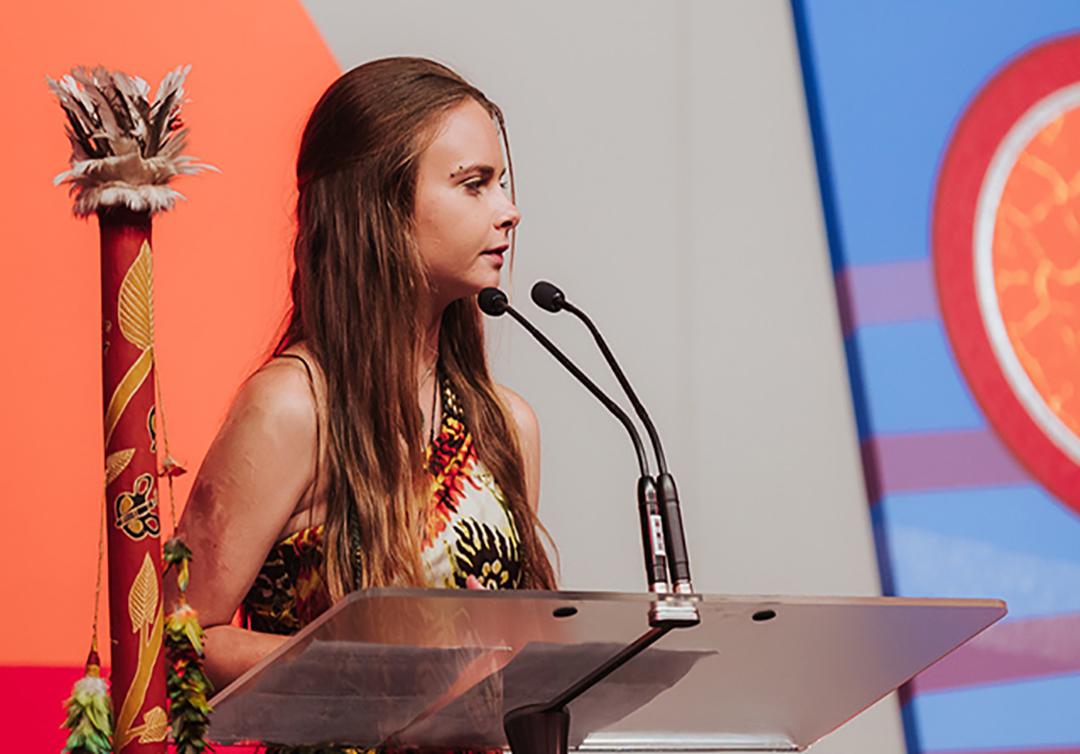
[(220, 259)]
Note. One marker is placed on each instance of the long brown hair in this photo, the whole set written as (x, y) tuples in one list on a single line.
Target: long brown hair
[(355, 291)]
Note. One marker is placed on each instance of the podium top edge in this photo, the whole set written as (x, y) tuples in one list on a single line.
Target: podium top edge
[(604, 596)]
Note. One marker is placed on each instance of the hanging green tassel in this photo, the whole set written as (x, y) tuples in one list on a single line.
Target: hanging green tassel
[(176, 553), (89, 712), (187, 684), (185, 680)]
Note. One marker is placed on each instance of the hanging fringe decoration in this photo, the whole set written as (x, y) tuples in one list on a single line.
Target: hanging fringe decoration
[(186, 682), (89, 708), (89, 712)]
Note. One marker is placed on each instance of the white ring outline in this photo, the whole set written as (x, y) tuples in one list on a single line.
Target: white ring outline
[(1026, 128)]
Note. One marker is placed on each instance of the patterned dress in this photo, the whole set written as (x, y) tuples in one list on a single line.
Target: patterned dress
[(470, 534)]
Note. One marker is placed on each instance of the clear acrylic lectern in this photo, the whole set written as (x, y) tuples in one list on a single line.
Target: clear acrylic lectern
[(442, 668)]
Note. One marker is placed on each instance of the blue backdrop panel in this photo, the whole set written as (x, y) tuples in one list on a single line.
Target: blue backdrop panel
[(1017, 541), (1002, 717), (886, 83), (912, 383)]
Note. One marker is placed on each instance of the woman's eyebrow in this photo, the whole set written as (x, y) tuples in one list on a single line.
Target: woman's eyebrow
[(485, 171)]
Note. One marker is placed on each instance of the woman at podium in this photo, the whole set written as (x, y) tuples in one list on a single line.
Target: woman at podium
[(373, 448)]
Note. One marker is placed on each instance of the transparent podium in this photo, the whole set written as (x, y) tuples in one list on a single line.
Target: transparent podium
[(448, 669)]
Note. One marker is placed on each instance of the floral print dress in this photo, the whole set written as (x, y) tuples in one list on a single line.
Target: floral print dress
[(470, 537)]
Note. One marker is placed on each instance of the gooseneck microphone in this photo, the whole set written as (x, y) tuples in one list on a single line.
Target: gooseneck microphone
[(548, 296), (494, 303)]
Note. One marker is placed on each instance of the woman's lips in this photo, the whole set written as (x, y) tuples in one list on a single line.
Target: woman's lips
[(495, 255)]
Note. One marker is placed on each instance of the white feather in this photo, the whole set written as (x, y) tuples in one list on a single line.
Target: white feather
[(142, 148)]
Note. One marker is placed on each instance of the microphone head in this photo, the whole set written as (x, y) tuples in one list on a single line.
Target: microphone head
[(548, 296), (493, 302)]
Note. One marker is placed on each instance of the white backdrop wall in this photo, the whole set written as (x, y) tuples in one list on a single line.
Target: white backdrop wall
[(666, 178)]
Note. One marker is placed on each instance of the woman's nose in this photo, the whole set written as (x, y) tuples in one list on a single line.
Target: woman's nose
[(509, 217)]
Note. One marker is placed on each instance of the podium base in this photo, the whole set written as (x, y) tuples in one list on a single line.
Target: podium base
[(537, 729)]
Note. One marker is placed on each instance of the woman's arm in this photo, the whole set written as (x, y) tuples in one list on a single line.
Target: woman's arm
[(528, 430), (255, 473), (231, 651)]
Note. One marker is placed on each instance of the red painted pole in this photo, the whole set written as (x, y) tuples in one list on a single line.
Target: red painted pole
[(136, 601), (124, 152)]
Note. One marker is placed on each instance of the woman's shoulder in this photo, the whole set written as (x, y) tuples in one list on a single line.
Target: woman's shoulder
[(528, 432), (520, 411), (281, 394)]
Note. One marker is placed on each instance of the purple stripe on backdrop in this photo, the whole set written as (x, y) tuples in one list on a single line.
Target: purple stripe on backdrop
[(875, 294), (1011, 651), (939, 460)]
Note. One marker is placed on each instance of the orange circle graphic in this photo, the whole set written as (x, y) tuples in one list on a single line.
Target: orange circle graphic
[(1036, 264)]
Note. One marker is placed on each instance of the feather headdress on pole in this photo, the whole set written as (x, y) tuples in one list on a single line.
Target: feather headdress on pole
[(125, 149)]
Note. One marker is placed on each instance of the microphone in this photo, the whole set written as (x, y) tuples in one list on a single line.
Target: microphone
[(548, 296), (494, 303)]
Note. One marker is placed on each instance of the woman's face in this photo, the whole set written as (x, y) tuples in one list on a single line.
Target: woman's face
[(463, 215)]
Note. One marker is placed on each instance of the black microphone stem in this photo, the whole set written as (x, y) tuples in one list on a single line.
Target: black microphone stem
[(666, 493), (643, 461), (650, 515), (493, 302), (650, 428)]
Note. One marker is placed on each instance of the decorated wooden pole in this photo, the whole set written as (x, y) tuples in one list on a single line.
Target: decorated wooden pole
[(125, 150), (136, 609)]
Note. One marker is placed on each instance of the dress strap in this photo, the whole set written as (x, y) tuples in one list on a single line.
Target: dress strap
[(318, 418), (315, 400), (307, 367)]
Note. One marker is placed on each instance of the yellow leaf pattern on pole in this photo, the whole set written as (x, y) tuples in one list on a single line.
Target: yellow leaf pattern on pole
[(116, 463), (143, 597), (136, 303)]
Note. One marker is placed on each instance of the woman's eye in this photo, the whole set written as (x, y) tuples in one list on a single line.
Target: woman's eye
[(477, 185)]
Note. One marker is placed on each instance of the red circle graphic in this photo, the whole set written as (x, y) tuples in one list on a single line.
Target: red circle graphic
[(1005, 234)]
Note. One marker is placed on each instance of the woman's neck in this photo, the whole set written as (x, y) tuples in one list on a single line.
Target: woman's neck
[(429, 348)]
